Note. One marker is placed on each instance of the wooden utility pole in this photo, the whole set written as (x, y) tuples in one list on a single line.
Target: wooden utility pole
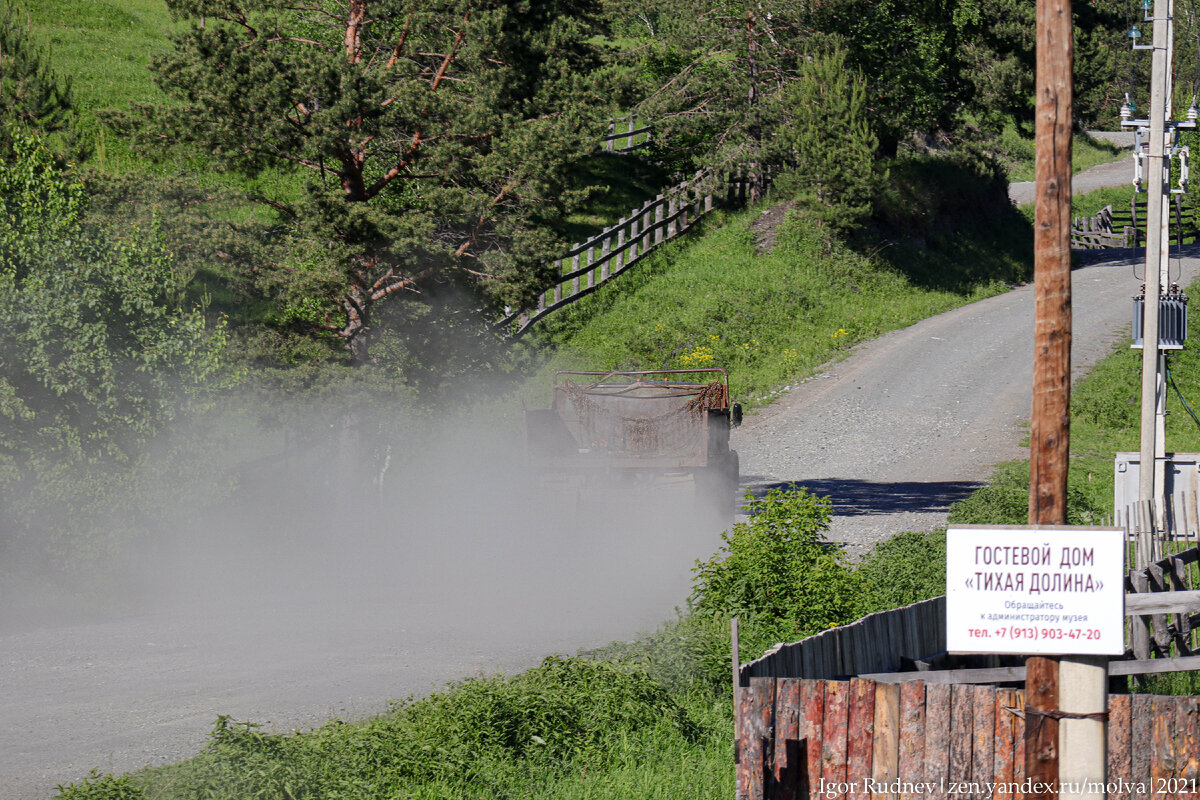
[(1050, 419)]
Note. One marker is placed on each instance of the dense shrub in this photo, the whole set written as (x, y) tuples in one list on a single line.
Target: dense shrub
[(904, 569), (480, 738), (778, 570)]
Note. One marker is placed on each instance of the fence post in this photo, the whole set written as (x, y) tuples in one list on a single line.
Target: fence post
[(591, 259), (612, 129), (604, 258), (558, 280), (619, 257), (575, 269), (635, 239), (647, 227), (672, 207), (659, 234)]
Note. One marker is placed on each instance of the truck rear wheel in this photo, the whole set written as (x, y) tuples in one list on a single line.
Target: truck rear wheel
[(718, 485)]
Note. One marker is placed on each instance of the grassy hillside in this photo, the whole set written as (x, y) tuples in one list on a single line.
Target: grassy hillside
[(769, 295), (105, 48)]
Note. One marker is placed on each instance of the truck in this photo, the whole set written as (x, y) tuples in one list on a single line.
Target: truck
[(642, 427)]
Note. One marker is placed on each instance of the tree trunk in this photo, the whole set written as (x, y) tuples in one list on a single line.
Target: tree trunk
[(754, 175), (354, 334)]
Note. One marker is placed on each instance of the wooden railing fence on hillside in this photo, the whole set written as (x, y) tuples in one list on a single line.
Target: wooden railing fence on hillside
[(624, 135), (589, 265), (858, 738)]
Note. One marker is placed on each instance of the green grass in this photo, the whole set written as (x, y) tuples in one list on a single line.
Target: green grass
[(570, 728), (105, 48), (769, 318), (103, 45), (1017, 153), (1088, 205)]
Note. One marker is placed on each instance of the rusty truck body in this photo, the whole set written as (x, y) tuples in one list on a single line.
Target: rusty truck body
[(645, 427)]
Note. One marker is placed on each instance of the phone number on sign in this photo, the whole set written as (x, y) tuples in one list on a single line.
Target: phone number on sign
[(1014, 632)]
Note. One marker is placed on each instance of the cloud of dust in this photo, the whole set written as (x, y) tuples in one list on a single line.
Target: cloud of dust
[(378, 521)]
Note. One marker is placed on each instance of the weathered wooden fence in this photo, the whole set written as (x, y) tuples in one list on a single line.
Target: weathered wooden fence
[(1127, 227), (1100, 231), (858, 738), (589, 265), (624, 135), (888, 641)]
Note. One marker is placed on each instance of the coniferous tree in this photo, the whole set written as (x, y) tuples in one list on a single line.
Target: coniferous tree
[(32, 96), (827, 144), (437, 139)]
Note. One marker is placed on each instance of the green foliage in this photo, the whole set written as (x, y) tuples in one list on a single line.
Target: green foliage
[(102, 787), (909, 53), (493, 737), (442, 136), (32, 96), (710, 74), (1178, 684), (40, 205), (904, 569), (838, 181), (1005, 501), (997, 50), (777, 566), (688, 656), (95, 353)]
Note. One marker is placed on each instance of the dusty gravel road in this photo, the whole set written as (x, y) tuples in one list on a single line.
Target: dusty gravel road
[(915, 420), (895, 432)]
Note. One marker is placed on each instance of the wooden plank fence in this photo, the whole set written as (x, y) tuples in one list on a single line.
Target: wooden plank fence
[(589, 265), (838, 739), (1161, 600), (1123, 228), (1100, 231)]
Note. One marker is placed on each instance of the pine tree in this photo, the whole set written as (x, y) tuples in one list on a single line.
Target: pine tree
[(32, 96), (827, 141), (437, 137)]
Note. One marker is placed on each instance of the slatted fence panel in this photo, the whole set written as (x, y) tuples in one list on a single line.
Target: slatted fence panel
[(876, 643), (813, 739)]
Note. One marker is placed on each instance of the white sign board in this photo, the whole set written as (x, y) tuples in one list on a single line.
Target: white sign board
[(1051, 590)]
